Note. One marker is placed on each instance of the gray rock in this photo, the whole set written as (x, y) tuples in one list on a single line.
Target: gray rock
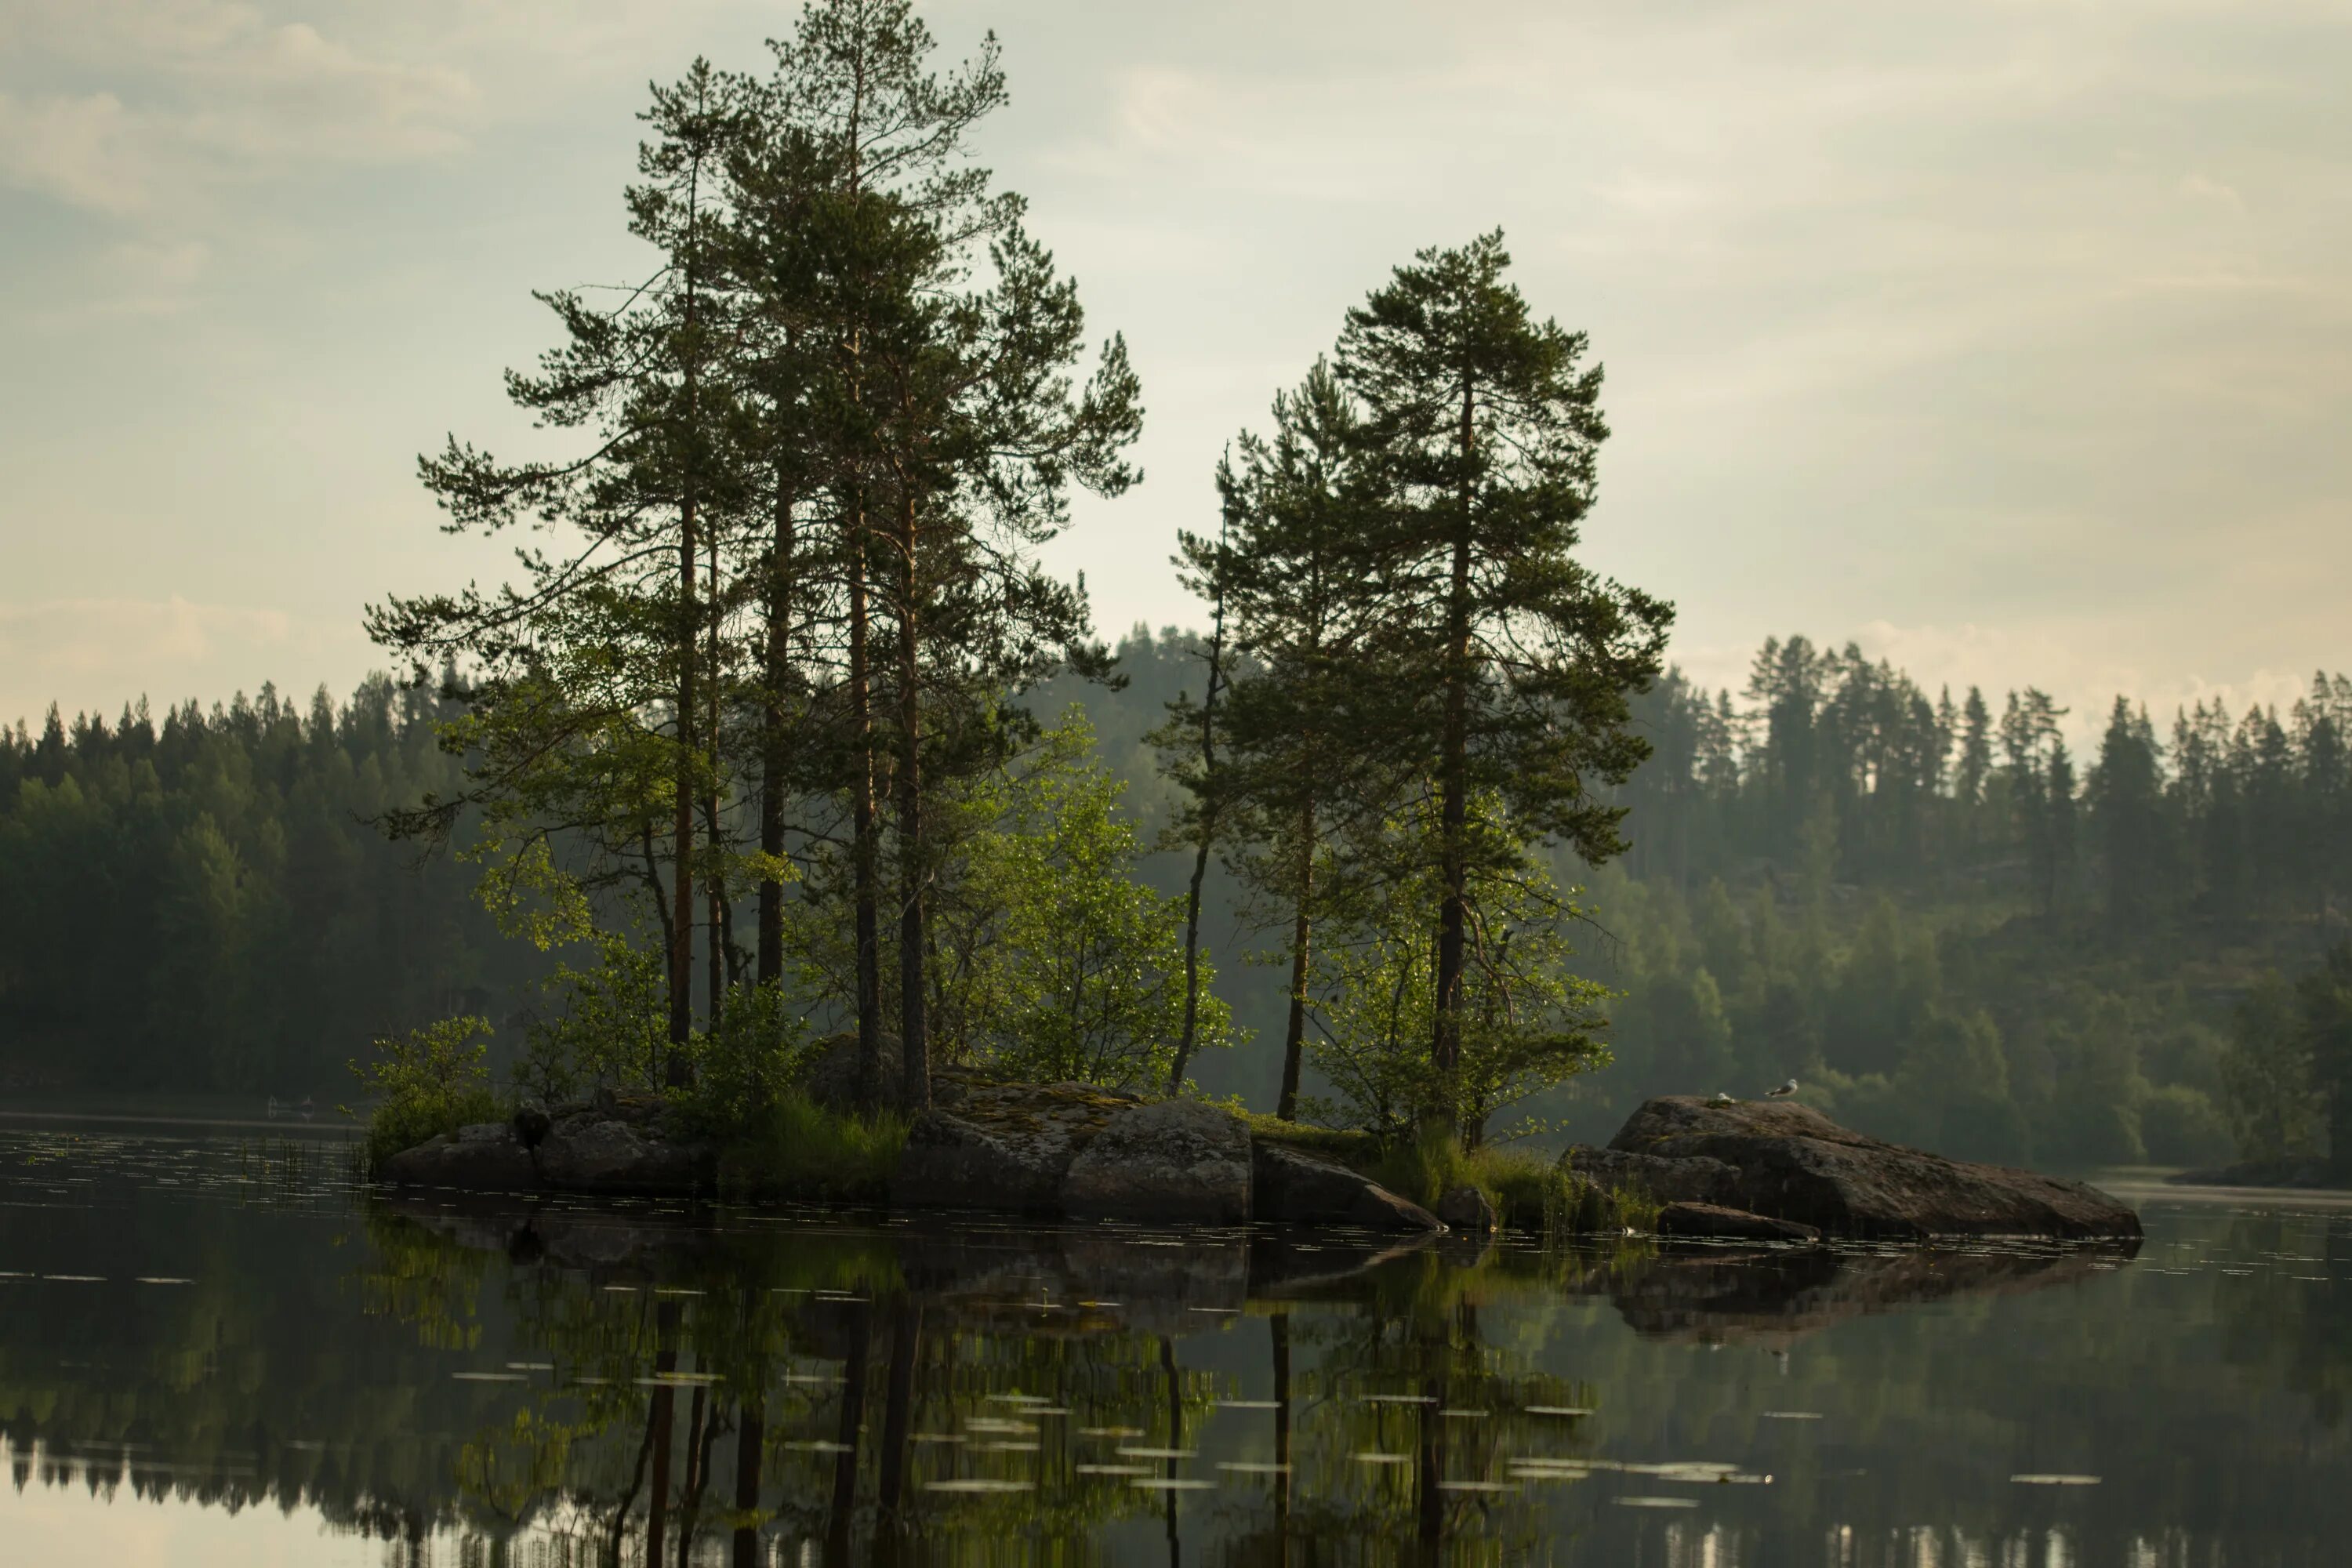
[(1793, 1162), (1004, 1146), (484, 1157), (592, 1153), (949, 1162), (1692, 1180), (1709, 1220), (1175, 1160), (1465, 1208), (1288, 1187)]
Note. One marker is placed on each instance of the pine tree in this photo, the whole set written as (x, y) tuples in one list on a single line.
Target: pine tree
[(585, 686), (1505, 664), (1288, 575)]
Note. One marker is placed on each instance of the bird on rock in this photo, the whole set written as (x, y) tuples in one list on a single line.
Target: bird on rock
[(1722, 1099), (1783, 1092)]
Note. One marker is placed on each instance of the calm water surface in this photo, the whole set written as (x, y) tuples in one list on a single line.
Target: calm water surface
[(223, 1350)]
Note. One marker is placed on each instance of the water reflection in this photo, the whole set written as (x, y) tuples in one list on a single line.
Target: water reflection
[(564, 1385)]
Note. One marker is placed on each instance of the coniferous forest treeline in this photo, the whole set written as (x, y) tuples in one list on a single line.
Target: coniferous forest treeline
[(782, 736), (1922, 905)]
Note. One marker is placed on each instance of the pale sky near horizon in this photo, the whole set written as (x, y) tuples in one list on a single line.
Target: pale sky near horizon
[(2013, 340)]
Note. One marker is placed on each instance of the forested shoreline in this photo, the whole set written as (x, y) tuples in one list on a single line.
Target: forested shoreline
[(783, 735), (204, 905)]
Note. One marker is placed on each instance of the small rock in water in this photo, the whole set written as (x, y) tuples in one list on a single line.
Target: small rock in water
[(1467, 1208)]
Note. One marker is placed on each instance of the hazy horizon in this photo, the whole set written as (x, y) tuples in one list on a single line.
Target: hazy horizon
[(2008, 342)]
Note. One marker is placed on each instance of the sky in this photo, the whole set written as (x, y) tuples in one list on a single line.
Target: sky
[(2012, 342)]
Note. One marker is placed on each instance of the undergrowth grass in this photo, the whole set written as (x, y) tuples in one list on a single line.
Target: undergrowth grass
[(795, 1149), (1529, 1191)]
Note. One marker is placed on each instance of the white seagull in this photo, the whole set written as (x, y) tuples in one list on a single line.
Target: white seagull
[(1783, 1092), (1722, 1099)]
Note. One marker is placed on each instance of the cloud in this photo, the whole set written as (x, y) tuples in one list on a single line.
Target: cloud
[(198, 93), (83, 151)]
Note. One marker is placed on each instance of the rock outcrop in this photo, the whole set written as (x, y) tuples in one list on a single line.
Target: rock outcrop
[(595, 1152), (1289, 1188), (1465, 1208), (1757, 1170), (1792, 1162), (617, 1143), (485, 1158), (1714, 1222), (1170, 1160), (1006, 1146), (1687, 1181)]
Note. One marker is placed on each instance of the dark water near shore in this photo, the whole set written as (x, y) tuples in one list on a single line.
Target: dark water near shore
[(223, 1352)]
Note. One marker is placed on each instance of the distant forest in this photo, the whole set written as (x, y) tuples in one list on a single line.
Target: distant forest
[(1949, 927)]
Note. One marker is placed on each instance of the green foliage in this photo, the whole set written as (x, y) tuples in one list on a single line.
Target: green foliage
[(2268, 1095), (1070, 969), (197, 903), (426, 1082), (2180, 1126), (788, 1148), (1527, 1022), (749, 1064), (1350, 1146), (2324, 1000), (609, 1028)]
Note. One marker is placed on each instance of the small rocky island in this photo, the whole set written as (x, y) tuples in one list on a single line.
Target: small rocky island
[(1764, 1171)]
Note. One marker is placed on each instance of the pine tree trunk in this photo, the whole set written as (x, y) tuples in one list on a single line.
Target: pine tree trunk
[(681, 931), (771, 746), (1445, 1048), (1294, 1033), (681, 952), (1190, 1035), (862, 847), (717, 893), (914, 1043)]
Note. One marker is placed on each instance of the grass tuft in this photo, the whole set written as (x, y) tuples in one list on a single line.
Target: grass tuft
[(794, 1149)]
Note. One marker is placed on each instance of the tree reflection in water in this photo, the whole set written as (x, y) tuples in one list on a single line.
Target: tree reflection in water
[(625, 1386)]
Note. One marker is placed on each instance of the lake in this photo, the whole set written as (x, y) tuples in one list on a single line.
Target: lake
[(223, 1349)]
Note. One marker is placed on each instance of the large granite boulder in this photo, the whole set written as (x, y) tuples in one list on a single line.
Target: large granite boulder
[(1795, 1163), (1172, 1160), (485, 1157), (1288, 1187), (1006, 1146), (592, 1152)]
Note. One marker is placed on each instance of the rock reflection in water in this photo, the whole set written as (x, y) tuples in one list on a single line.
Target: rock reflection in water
[(619, 1383), (1721, 1293), (915, 1393)]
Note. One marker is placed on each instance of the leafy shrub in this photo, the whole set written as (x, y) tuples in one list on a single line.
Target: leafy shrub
[(430, 1082), (1063, 967), (748, 1065), (612, 1026), (1529, 1023)]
